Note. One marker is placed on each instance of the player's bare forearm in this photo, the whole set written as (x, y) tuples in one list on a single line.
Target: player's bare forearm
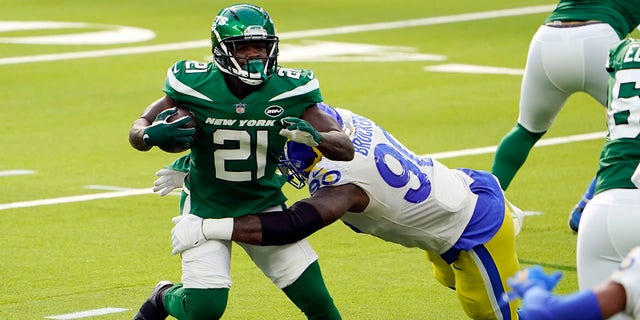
[(611, 298), (139, 125), (247, 229), (300, 220), (136, 133), (336, 145)]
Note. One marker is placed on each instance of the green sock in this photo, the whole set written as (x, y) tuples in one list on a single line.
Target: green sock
[(195, 304), (512, 152), (310, 295)]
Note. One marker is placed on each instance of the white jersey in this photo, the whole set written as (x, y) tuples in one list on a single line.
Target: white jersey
[(414, 201)]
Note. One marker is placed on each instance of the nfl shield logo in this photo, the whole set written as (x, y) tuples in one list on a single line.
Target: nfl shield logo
[(240, 108)]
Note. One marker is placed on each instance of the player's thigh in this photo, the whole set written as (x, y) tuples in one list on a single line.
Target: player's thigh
[(540, 99), (481, 275), (596, 47), (207, 266), (282, 264), (608, 230), (442, 271)]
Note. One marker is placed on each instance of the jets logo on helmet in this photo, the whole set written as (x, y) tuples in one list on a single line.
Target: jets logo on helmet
[(244, 24)]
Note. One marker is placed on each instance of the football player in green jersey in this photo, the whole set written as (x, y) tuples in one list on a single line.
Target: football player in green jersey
[(567, 55), (611, 220), (246, 107)]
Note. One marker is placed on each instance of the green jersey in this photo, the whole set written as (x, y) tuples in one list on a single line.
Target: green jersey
[(621, 153), (232, 170), (621, 15)]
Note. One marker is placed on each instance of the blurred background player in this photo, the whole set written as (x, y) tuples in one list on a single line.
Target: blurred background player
[(246, 108), (459, 216), (618, 296), (567, 55), (611, 220)]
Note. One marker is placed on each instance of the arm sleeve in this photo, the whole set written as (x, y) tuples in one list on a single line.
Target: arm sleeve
[(290, 225), (538, 303)]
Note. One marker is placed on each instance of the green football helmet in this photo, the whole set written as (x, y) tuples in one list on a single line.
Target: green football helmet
[(239, 24)]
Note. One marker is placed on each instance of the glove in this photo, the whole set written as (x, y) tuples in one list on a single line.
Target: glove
[(301, 131), (163, 133), (168, 181), (187, 233), (536, 304), (190, 231), (529, 278)]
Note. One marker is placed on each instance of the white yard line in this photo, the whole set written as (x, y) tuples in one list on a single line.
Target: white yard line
[(124, 192), (286, 35), (540, 143), (86, 314), (15, 172), (80, 198)]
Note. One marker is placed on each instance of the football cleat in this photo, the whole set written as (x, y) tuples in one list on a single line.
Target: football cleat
[(576, 213), (153, 308)]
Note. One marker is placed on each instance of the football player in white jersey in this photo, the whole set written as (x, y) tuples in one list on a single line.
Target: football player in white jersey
[(611, 220), (460, 217), (619, 295)]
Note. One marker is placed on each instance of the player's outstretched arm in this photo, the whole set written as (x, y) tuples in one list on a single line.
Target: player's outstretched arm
[(620, 293), (272, 228), (538, 301)]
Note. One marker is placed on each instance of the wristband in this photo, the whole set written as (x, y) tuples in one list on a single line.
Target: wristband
[(218, 229)]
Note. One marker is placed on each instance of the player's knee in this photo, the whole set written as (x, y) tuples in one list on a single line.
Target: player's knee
[(206, 304)]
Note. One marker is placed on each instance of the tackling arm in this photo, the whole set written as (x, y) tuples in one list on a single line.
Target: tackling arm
[(301, 220), (620, 293), (272, 228)]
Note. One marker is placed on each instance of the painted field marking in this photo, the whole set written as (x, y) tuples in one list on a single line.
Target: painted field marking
[(86, 197), (86, 314), (469, 68), (124, 192), (15, 172), (540, 143), (286, 35)]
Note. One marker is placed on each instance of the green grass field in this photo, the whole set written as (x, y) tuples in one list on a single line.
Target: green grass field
[(66, 116)]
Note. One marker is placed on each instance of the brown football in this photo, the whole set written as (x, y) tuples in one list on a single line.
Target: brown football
[(191, 124)]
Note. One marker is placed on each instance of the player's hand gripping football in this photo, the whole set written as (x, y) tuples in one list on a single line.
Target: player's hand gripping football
[(163, 133), (168, 180), (301, 131)]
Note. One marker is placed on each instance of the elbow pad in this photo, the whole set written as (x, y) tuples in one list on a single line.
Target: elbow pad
[(290, 225)]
